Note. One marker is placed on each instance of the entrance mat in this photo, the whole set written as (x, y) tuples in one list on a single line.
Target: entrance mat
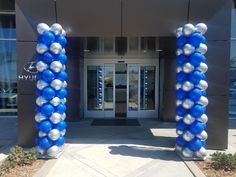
[(115, 122)]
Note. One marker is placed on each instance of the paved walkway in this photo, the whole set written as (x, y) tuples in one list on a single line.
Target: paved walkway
[(121, 151)]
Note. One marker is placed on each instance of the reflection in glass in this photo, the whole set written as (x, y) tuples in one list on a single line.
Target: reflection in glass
[(148, 44), (133, 44), (108, 88), (108, 44), (94, 85), (147, 87), (232, 81), (93, 44), (133, 88)]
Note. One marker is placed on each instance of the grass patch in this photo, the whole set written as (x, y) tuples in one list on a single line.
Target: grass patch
[(223, 161)]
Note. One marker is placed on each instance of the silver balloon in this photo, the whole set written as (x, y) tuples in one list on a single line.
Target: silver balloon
[(202, 49), (188, 119), (178, 148), (53, 151), (187, 86), (42, 27), (56, 66), (188, 104), (63, 51), (178, 86), (41, 84), (63, 132), (203, 135), (63, 33), (55, 118), (188, 136), (203, 85), (55, 48), (177, 118), (188, 29), (179, 32), (63, 100), (178, 69), (42, 134), (178, 102), (188, 68), (39, 117), (63, 67), (56, 84), (41, 66), (187, 153), (39, 150), (55, 101), (202, 153), (41, 48), (179, 132), (64, 84), (203, 119), (202, 67), (201, 27), (56, 29), (63, 116), (54, 134), (203, 101), (179, 52), (40, 101), (188, 49)]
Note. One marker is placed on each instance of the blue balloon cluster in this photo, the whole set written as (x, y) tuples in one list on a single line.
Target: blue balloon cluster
[(51, 89), (190, 90)]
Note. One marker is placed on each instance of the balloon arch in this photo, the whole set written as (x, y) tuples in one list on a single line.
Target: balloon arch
[(190, 90)]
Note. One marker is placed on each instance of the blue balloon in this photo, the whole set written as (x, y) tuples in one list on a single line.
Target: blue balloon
[(197, 111), (37, 109), (37, 125), (60, 141), (62, 93), (62, 40), (48, 57), (181, 77), (45, 126), (180, 125), (204, 93), (47, 109), (62, 58), (195, 144), (181, 41), (39, 39), (181, 60), (39, 57), (60, 126), (48, 38), (38, 92), (196, 58), (48, 93), (181, 94), (195, 77), (39, 76), (61, 108), (62, 76), (181, 111), (196, 39), (195, 94), (181, 142), (44, 143), (48, 75)]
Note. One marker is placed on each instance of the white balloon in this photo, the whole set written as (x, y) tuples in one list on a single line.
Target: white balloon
[(188, 29), (202, 153), (179, 52), (54, 134), (42, 134), (41, 48), (56, 29), (40, 117), (42, 27), (202, 48), (63, 67), (187, 153), (64, 84), (178, 69), (178, 86), (40, 101), (177, 117), (203, 135), (56, 84), (41, 84), (63, 33), (63, 51), (179, 32), (203, 101), (63, 132), (55, 118), (39, 150), (187, 86), (178, 102), (63, 100), (203, 85), (53, 151), (188, 136), (201, 27), (56, 66), (55, 48), (202, 67), (203, 119), (188, 49), (179, 132), (178, 148), (41, 66), (188, 119), (188, 104), (63, 116), (55, 101), (188, 68)]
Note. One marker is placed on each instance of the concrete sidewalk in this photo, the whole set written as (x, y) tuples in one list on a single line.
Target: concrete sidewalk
[(120, 151)]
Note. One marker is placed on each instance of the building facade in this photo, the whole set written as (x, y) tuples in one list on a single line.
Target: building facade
[(121, 59)]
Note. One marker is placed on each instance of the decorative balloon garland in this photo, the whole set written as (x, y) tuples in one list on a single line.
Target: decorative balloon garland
[(51, 90), (191, 88)]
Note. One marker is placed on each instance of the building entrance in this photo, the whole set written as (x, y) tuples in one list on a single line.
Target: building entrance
[(121, 90)]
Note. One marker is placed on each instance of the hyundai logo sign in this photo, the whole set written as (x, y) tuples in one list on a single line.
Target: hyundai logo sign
[(30, 67)]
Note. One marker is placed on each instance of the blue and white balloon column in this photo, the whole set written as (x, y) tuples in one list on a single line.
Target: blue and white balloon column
[(51, 89), (191, 88)]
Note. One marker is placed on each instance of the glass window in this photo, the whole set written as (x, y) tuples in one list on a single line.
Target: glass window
[(108, 44), (108, 88), (121, 45), (133, 88), (93, 44), (133, 44), (148, 44), (7, 5)]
